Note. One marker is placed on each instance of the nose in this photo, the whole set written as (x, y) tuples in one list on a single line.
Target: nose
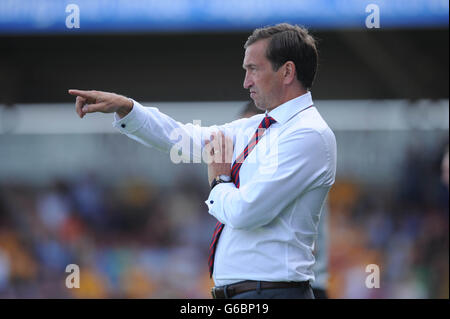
[(248, 82)]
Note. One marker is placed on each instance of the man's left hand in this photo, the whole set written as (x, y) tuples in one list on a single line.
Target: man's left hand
[(219, 153)]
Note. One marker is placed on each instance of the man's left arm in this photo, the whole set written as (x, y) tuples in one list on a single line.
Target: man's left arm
[(301, 162)]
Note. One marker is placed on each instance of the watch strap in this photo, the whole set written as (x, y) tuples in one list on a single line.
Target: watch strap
[(217, 181)]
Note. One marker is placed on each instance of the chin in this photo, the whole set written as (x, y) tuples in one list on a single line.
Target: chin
[(259, 105)]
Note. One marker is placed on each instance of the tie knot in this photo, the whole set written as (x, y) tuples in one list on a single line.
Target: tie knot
[(266, 122)]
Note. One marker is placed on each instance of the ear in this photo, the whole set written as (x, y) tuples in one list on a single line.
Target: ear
[(289, 73)]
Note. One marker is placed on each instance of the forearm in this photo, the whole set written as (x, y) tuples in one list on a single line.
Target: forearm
[(240, 209), (152, 128), (283, 176)]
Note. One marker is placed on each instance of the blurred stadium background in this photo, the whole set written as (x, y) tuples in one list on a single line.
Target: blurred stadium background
[(76, 192)]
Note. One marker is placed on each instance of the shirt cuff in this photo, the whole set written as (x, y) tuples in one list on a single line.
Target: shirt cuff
[(132, 121), (214, 201)]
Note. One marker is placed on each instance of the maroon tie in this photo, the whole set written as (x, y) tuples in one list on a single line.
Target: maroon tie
[(265, 123)]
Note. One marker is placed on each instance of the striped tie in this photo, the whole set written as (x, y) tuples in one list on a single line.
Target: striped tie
[(265, 123)]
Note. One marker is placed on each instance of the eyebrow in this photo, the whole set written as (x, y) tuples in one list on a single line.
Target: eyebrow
[(245, 66)]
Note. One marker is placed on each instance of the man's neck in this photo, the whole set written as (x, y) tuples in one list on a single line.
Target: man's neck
[(293, 94)]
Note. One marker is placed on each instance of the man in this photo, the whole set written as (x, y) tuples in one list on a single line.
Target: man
[(268, 202)]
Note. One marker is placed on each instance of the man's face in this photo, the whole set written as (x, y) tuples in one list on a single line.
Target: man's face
[(261, 80)]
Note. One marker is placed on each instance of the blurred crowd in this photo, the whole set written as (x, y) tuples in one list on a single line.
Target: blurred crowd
[(403, 229), (130, 241), (138, 240)]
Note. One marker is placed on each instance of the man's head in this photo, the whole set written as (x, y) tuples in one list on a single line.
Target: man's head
[(280, 63)]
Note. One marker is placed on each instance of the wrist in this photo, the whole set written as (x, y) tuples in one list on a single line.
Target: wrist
[(126, 108), (220, 179)]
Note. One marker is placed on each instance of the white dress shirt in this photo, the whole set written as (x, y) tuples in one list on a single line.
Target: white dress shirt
[(271, 220)]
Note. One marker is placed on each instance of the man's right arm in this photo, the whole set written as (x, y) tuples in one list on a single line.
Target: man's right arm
[(147, 125), (152, 128)]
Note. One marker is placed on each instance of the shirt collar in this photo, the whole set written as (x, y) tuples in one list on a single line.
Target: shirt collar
[(287, 110)]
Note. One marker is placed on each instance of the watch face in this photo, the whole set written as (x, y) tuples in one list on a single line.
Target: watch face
[(225, 178)]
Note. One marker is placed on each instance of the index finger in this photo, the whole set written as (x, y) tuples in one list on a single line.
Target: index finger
[(85, 94)]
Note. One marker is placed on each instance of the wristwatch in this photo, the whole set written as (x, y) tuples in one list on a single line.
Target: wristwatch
[(220, 179)]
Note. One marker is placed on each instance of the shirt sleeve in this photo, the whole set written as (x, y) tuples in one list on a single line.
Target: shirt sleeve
[(152, 128), (300, 163)]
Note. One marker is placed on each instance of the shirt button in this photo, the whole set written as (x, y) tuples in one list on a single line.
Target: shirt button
[(211, 202), (123, 125)]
